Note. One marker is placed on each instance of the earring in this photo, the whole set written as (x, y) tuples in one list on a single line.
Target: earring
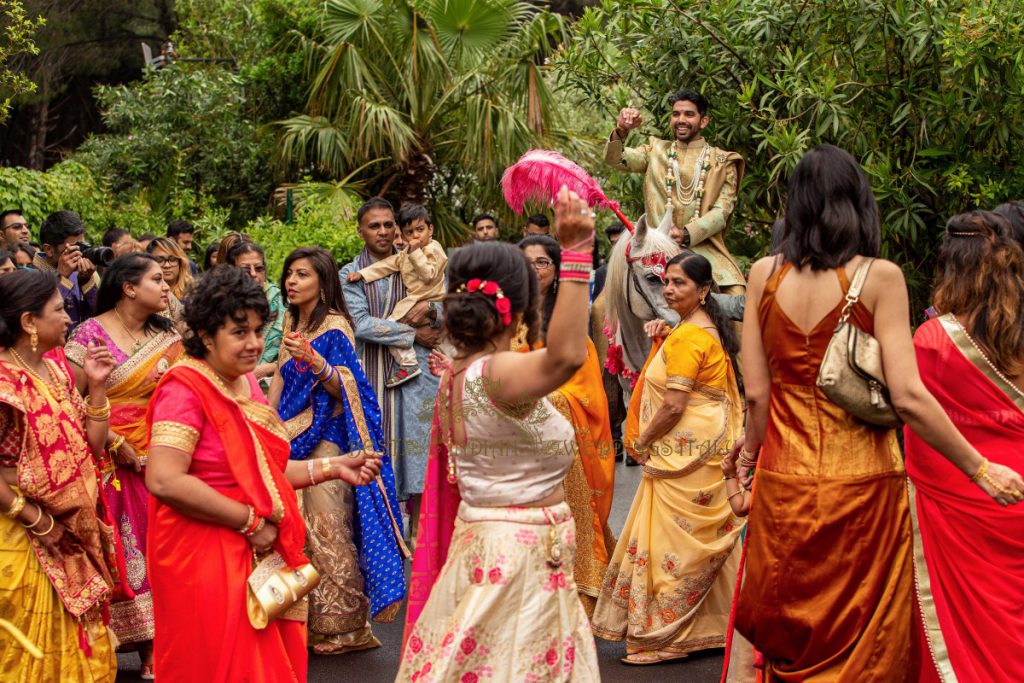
[(323, 297), (131, 294), (520, 336), (703, 297), (33, 340)]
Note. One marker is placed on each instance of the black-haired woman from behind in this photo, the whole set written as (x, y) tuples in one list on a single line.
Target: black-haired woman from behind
[(496, 542)]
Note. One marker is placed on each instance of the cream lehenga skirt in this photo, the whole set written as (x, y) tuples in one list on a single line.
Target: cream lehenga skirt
[(504, 607)]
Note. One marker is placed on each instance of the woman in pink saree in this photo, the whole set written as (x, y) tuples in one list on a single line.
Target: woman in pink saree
[(968, 547)]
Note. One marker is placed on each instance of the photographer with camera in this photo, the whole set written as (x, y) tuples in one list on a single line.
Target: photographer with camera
[(65, 252)]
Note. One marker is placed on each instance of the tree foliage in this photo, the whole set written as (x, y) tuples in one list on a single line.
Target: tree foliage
[(427, 101), (16, 32), (928, 95)]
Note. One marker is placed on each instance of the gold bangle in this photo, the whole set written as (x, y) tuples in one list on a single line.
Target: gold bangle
[(39, 518), (981, 471), (248, 520), (116, 446), (53, 522), (326, 468), (90, 409), (734, 495), (17, 505), (309, 470), (258, 528)]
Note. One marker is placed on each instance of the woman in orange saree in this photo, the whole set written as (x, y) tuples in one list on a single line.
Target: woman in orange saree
[(968, 550), (57, 547), (211, 512), (144, 344), (590, 482)]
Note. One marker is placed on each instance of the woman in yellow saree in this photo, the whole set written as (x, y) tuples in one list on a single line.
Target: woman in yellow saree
[(590, 482), (56, 544), (670, 581), (144, 345)]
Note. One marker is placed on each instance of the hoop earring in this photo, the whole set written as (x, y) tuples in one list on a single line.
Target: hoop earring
[(33, 340)]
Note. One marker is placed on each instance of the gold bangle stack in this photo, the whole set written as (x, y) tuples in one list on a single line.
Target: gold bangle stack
[(327, 468), (39, 518), (17, 505), (981, 471), (249, 521), (101, 414), (310, 464), (53, 523)]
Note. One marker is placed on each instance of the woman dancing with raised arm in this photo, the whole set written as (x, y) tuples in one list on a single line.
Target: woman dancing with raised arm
[(504, 604)]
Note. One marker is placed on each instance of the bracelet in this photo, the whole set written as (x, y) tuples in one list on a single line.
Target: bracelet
[(249, 521), (114, 447), (325, 370), (256, 528), (53, 523), (581, 257), (981, 471), (326, 468), (98, 413), (574, 249), (309, 471), (734, 495), (748, 459), (728, 478), (17, 505), (39, 518)]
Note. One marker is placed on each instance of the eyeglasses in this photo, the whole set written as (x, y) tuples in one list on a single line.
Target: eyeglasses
[(16, 226), (542, 263), (165, 260), (255, 269)]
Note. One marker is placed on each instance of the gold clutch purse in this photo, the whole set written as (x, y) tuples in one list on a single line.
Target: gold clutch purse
[(851, 373), (274, 588)]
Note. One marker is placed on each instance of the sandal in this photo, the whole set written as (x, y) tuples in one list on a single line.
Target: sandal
[(327, 648), (652, 657), (147, 673)]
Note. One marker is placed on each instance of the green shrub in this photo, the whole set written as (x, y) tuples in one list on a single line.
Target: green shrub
[(317, 224)]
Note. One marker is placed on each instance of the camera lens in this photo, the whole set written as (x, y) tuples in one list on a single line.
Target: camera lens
[(100, 256)]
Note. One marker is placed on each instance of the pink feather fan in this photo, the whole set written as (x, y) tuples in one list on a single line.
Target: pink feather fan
[(540, 174)]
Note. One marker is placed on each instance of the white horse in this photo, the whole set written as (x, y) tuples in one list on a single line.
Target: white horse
[(633, 296)]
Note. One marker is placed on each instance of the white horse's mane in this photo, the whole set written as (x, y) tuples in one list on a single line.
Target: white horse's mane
[(616, 280)]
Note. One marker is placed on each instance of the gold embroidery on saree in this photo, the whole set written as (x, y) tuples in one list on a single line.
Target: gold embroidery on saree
[(174, 435)]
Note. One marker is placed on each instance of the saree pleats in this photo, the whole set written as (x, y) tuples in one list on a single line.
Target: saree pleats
[(499, 612), (28, 600), (198, 573)]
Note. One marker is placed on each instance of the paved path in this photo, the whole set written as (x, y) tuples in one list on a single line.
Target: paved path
[(380, 665)]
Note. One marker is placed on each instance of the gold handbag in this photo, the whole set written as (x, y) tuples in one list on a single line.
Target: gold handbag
[(274, 588), (851, 373)]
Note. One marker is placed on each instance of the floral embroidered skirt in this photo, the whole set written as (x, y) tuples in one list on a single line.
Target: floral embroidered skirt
[(671, 579), (132, 620), (499, 611)]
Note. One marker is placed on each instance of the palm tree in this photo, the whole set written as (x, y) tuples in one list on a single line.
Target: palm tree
[(433, 98)]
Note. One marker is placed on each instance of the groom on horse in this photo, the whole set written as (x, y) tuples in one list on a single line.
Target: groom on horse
[(690, 187)]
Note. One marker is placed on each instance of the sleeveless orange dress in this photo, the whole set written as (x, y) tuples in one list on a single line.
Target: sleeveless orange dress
[(827, 593)]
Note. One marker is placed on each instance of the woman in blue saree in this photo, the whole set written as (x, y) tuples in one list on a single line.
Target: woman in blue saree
[(328, 405)]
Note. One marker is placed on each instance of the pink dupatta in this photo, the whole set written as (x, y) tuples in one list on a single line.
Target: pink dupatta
[(438, 509)]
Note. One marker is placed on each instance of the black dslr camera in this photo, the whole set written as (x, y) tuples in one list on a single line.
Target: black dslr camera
[(100, 256)]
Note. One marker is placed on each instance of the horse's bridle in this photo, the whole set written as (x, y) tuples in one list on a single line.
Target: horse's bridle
[(636, 281)]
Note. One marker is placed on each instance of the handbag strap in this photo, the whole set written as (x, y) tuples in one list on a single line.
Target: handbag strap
[(860, 276)]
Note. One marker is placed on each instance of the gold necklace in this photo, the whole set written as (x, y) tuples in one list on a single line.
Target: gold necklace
[(52, 384), (137, 342)]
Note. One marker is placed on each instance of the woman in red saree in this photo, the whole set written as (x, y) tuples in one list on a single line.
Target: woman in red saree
[(968, 549), (211, 511)]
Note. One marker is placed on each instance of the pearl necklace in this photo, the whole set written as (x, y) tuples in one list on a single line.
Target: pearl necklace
[(992, 365), (695, 190)]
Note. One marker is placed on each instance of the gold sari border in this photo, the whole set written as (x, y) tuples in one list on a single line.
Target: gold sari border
[(964, 345), (174, 435), (926, 600)]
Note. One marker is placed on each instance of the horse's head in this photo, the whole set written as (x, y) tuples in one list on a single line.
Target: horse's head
[(634, 284)]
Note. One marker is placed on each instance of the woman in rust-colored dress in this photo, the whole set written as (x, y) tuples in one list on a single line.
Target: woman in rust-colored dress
[(828, 587)]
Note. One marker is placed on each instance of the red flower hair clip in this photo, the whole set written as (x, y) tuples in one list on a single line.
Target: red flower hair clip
[(490, 288)]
